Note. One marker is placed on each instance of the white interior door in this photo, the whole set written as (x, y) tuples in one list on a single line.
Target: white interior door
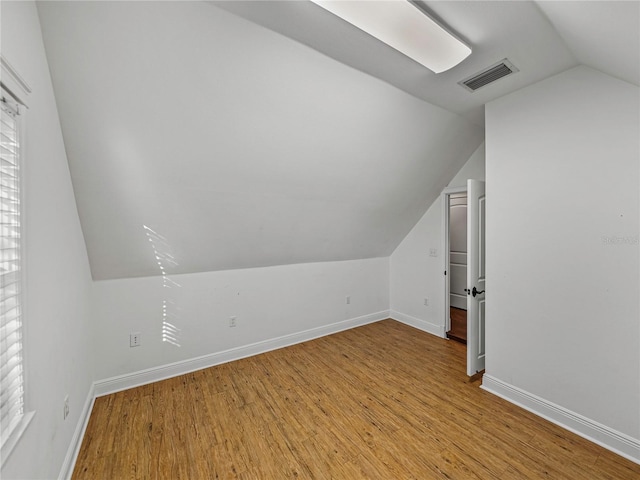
[(475, 276)]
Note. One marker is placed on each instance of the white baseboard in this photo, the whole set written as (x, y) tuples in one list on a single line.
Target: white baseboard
[(423, 325), (143, 377), (76, 441), (604, 436)]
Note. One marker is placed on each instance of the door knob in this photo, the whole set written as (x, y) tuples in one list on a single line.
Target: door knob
[(475, 292)]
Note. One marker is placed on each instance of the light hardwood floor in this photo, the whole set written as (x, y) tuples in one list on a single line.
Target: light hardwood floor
[(458, 330), (383, 401)]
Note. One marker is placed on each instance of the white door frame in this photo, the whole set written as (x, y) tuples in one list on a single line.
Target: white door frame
[(476, 276), (446, 257)]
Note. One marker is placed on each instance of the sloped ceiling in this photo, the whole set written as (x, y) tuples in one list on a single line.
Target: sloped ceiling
[(604, 35), (540, 38), (212, 143), (221, 135), (494, 30)]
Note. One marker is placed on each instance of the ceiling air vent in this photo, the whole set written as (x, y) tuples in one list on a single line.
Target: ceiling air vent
[(489, 75)]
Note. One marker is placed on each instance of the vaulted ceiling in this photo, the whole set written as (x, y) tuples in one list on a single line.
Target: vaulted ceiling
[(540, 38), (220, 135)]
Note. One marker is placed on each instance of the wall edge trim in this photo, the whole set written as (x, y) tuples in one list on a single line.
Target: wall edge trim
[(432, 328), (617, 442), (162, 372), (78, 435)]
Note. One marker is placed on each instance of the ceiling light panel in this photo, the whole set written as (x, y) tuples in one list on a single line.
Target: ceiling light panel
[(404, 27)]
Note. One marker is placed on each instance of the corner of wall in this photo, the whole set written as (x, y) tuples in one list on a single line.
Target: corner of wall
[(569, 147), (58, 281), (416, 272)]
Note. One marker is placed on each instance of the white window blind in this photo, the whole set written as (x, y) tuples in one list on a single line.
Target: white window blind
[(11, 373)]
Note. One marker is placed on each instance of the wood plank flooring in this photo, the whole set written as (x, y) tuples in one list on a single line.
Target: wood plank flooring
[(458, 330), (382, 401)]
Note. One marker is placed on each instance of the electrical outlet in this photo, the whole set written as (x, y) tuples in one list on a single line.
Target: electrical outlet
[(134, 339), (232, 321), (433, 252), (348, 299), (65, 412), (426, 302)]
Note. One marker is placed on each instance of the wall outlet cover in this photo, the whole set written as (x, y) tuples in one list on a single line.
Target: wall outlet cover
[(134, 339)]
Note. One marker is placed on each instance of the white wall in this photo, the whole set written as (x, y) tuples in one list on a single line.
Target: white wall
[(271, 152), (562, 261), (269, 303), (57, 322), (414, 274)]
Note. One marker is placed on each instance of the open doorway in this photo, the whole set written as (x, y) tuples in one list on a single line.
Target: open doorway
[(454, 201), (457, 268), (463, 213)]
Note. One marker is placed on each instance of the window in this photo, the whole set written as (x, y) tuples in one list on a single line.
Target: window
[(12, 416)]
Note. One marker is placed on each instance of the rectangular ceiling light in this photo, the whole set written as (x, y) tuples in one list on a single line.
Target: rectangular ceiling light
[(403, 27)]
